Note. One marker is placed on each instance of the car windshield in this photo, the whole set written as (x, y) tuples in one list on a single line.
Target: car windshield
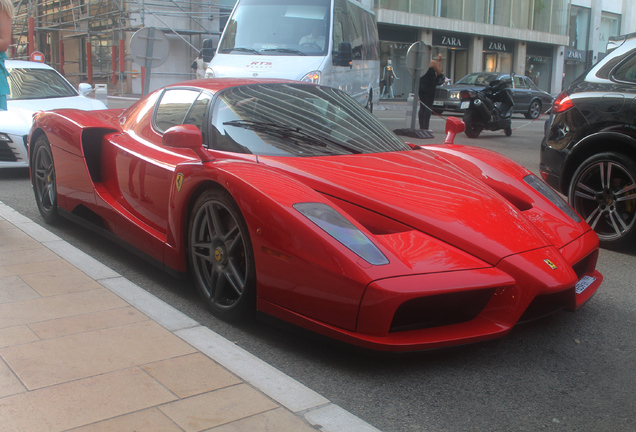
[(33, 83), (278, 27), (482, 78), (296, 120)]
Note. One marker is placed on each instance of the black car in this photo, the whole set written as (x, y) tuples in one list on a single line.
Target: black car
[(589, 149), (529, 99)]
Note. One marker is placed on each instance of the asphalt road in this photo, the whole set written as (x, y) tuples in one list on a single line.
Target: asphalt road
[(567, 372)]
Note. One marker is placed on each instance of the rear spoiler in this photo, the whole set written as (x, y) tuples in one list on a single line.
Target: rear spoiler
[(616, 41)]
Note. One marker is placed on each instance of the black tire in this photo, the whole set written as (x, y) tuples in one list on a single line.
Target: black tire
[(472, 128), (43, 178), (508, 131), (221, 257), (534, 110), (603, 192)]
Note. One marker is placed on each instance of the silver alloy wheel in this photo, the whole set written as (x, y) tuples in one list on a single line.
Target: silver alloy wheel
[(535, 109), (603, 192), (220, 255)]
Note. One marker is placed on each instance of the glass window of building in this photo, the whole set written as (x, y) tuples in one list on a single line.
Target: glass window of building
[(610, 26), (424, 7), (451, 9), (476, 10), (579, 27), (521, 14)]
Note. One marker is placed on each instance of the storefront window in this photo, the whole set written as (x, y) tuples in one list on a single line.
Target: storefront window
[(610, 26), (395, 80), (539, 68)]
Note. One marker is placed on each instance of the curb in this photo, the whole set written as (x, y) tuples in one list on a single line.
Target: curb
[(296, 397)]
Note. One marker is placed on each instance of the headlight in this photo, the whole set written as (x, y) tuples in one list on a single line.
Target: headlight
[(454, 95), (540, 186), (209, 73), (5, 137), (334, 224), (312, 77)]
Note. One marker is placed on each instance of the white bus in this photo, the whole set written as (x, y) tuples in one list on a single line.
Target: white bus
[(328, 42)]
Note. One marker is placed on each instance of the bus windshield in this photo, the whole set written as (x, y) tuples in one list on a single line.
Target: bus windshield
[(278, 27)]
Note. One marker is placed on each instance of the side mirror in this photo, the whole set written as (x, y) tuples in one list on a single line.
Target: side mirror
[(183, 136), (186, 136), (85, 88), (344, 55), (453, 127)]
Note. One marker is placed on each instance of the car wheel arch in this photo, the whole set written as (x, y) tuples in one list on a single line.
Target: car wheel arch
[(594, 144)]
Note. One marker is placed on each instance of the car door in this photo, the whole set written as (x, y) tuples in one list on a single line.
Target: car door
[(144, 167), (521, 93)]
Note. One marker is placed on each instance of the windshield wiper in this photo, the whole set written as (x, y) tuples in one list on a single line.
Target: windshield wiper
[(241, 49), (290, 132), (286, 50)]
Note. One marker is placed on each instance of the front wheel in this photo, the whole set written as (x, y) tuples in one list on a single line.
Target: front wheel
[(603, 192), (472, 128), (508, 130), (220, 256), (43, 178)]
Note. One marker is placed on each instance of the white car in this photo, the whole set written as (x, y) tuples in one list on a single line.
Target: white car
[(34, 87)]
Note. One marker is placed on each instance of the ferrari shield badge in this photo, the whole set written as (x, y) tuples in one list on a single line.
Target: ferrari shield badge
[(179, 181), (550, 264)]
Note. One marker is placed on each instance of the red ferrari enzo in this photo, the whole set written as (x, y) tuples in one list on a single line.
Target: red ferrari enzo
[(291, 199)]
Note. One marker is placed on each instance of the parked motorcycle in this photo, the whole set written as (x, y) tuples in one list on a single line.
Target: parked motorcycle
[(490, 108)]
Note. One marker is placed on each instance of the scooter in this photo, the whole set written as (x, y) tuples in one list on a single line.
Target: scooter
[(489, 109)]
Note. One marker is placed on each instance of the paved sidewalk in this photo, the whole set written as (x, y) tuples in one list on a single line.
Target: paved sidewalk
[(84, 349)]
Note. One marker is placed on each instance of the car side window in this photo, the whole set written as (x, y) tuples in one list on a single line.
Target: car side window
[(173, 107), (627, 70), (520, 83)]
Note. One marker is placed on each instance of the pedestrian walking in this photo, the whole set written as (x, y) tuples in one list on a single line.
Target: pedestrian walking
[(6, 16), (426, 92)]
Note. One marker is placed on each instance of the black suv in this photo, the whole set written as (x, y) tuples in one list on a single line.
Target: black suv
[(589, 149)]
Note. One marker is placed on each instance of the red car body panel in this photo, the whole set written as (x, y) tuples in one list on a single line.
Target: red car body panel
[(466, 238)]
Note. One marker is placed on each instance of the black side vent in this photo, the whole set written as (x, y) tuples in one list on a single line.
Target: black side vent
[(440, 310)]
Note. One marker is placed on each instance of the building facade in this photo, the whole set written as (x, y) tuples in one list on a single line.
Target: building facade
[(550, 41)]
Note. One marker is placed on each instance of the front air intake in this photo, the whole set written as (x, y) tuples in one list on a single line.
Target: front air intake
[(440, 310)]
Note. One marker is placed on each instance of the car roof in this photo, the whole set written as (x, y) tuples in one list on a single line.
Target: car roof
[(25, 64), (216, 84)]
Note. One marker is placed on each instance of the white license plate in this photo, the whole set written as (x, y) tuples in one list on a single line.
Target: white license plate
[(438, 103), (585, 282), (464, 105)]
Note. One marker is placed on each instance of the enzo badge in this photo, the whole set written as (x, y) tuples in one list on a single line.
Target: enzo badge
[(550, 263)]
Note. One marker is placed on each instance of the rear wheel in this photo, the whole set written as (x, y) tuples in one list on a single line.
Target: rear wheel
[(44, 186), (221, 257), (603, 192), (472, 128), (534, 110)]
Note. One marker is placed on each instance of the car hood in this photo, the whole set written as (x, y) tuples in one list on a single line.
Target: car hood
[(425, 192), (47, 104), (460, 87)]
